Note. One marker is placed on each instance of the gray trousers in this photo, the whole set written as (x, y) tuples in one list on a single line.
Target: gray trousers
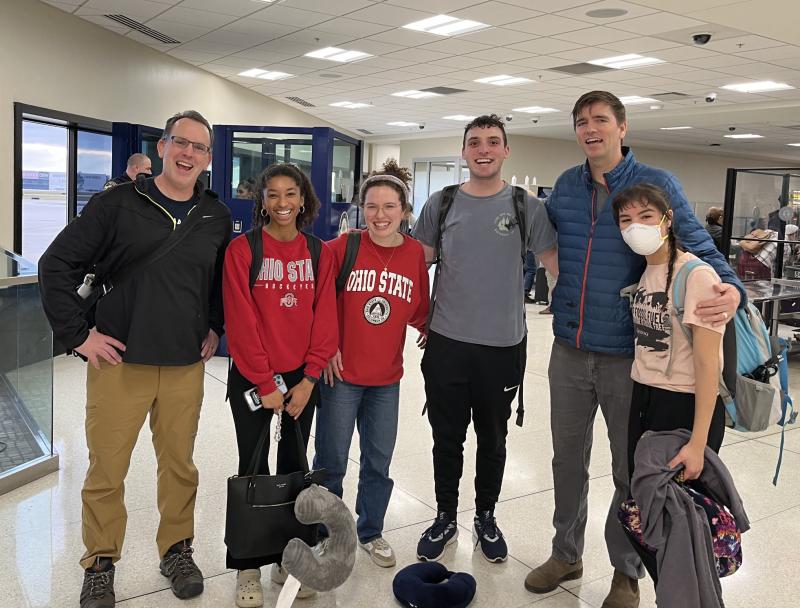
[(579, 382)]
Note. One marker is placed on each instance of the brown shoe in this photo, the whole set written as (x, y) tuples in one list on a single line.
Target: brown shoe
[(624, 592), (546, 311), (550, 574)]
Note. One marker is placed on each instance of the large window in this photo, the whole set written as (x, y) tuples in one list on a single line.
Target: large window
[(60, 161), (252, 152)]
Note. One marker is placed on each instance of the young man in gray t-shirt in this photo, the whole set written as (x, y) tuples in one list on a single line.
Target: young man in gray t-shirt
[(473, 362)]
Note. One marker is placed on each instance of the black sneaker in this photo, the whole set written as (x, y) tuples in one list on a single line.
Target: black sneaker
[(183, 574), (98, 585), (486, 534), (435, 539)]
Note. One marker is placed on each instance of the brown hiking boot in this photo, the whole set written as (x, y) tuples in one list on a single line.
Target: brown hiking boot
[(550, 574), (624, 592), (98, 585)]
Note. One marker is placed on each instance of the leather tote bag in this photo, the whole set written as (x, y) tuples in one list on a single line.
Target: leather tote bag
[(260, 517)]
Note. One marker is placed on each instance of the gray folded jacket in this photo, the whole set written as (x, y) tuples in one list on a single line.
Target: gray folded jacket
[(678, 528)]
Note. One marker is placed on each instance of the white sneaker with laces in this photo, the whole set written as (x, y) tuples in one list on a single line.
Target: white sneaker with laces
[(249, 593), (380, 552), (279, 576)]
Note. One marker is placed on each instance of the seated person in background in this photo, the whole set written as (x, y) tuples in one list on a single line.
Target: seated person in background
[(714, 225), (757, 258)]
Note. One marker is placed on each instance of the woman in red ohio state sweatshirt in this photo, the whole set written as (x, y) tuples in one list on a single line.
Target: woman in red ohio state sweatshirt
[(285, 325), (386, 290)]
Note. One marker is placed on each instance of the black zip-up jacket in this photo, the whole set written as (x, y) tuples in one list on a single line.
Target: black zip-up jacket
[(164, 312)]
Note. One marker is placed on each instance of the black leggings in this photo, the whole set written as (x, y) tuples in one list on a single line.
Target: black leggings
[(656, 409), (248, 429)]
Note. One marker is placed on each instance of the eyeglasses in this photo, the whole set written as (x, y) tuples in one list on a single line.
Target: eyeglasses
[(184, 143)]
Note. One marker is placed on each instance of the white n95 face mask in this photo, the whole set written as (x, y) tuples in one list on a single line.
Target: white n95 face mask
[(644, 239)]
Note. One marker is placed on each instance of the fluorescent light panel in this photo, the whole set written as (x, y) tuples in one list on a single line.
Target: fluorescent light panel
[(332, 53), (796, 145), (402, 123), (744, 136), (350, 105), (458, 117), (503, 80), (758, 87), (265, 74), (445, 25), (414, 94), (674, 128), (626, 61), (631, 100), (535, 110)]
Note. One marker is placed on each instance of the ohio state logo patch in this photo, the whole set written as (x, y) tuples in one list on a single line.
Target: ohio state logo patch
[(377, 310), (289, 300)]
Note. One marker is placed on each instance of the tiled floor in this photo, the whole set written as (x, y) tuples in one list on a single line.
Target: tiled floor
[(40, 536)]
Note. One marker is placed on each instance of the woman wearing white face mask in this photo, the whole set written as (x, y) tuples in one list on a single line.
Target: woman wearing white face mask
[(675, 380)]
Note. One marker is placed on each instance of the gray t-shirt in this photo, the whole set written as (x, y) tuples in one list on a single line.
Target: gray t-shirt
[(601, 196), (478, 296)]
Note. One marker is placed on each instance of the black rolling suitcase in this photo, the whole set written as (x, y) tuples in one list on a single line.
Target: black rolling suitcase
[(540, 287)]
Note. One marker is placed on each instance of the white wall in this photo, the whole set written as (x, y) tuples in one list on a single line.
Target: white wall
[(57, 61), (702, 176), (380, 153)]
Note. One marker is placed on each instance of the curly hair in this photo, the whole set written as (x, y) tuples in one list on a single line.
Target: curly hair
[(392, 169), (484, 122), (311, 204)]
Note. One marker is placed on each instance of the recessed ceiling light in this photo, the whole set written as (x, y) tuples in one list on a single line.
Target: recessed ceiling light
[(535, 110), (414, 94), (458, 117), (402, 123), (796, 145), (503, 80), (445, 25), (744, 136), (265, 74), (350, 105), (332, 53), (631, 100), (673, 128), (758, 87), (626, 61)]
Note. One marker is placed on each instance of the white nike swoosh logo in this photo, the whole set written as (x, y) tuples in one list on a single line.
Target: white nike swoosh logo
[(510, 388)]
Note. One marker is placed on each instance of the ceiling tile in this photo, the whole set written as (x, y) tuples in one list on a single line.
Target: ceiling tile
[(594, 36), (339, 7), (436, 6), (193, 17), (417, 55), (740, 44), (495, 13), (580, 12), (459, 62), (546, 6), (547, 25), (497, 36), (389, 15), (319, 39), (237, 8), (716, 62), (657, 23), (642, 45), (193, 57), (785, 51), (180, 31), (64, 6), (499, 54), (286, 15), (351, 27), (259, 29), (454, 46), (403, 37), (544, 46), (141, 10)]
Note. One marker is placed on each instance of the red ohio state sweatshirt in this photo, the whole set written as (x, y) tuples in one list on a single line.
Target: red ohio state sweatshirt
[(288, 319), (376, 305)]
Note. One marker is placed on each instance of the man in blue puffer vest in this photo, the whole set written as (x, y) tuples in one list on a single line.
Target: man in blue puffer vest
[(590, 364)]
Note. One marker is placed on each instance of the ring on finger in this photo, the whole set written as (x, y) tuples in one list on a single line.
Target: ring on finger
[(724, 315)]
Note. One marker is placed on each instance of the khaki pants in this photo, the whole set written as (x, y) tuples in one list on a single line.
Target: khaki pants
[(118, 399)]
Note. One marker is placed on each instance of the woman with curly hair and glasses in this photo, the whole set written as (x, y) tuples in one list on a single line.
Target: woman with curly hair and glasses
[(284, 325)]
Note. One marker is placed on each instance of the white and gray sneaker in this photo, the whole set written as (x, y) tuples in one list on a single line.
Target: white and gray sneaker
[(278, 576), (380, 552)]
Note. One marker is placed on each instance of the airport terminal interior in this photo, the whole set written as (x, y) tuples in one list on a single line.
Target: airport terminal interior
[(712, 93)]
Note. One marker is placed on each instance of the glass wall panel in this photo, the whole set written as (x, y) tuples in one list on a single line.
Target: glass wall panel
[(44, 186), (344, 171), (420, 186), (93, 165), (252, 152)]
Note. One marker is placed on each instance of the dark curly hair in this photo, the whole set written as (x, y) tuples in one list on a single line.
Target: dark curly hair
[(310, 201), (393, 168), (484, 122)]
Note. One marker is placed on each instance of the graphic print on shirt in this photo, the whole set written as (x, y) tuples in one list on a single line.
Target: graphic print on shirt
[(377, 310), (651, 320), (291, 277), (504, 224)]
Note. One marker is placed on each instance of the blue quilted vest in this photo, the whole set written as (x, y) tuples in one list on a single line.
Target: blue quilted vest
[(594, 262)]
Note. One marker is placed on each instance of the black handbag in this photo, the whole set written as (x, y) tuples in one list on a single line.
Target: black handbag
[(260, 519)]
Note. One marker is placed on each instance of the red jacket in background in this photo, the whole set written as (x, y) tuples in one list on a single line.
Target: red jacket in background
[(376, 305), (287, 319)]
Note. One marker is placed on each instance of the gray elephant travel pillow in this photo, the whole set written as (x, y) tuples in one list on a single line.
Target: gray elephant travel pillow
[(330, 569)]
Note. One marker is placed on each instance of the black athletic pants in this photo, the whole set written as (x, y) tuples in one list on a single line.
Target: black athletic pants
[(248, 429), (466, 381)]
